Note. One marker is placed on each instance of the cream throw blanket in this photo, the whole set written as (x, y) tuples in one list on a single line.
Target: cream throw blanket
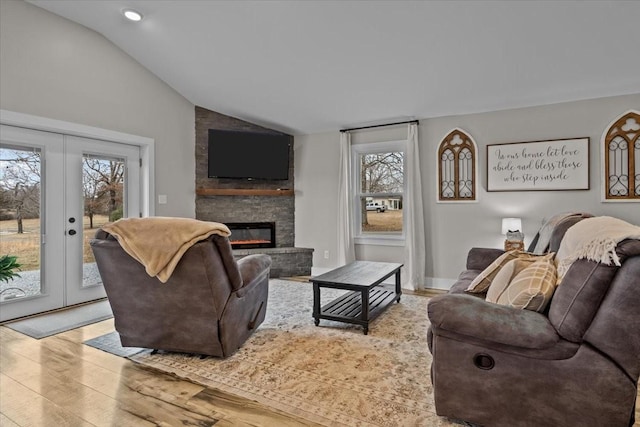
[(158, 243), (594, 239)]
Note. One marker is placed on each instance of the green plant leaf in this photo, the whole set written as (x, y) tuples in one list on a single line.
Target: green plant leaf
[(8, 264)]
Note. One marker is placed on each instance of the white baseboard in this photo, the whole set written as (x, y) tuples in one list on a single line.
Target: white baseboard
[(438, 283)]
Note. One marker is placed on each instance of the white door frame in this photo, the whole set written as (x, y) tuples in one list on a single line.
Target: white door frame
[(147, 146), (147, 187)]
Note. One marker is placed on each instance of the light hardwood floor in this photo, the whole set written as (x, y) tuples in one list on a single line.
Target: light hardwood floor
[(58, 381)]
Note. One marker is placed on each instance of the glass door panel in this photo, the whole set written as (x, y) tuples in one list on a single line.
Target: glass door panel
[(103, 183), (27, 221), (20, 225)]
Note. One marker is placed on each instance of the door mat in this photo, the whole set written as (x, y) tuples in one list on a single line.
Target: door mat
[(49, 324)]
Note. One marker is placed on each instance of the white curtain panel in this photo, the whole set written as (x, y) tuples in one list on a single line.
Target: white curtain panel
[(346, 248), (414, 250)]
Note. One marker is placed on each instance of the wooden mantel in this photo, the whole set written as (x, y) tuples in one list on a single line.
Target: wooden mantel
[(243, 192)]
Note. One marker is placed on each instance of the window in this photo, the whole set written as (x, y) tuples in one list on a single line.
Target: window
[(379, 187), (457, 167), (622, 158)]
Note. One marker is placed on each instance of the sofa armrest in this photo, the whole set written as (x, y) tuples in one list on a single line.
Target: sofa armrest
[(247, 307), (466, 316), (252, 269), (481, 258)]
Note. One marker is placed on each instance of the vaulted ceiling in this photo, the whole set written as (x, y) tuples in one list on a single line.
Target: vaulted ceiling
[(313, 66)]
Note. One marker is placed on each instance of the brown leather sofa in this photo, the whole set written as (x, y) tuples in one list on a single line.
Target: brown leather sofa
[(210, 305), (577, 364)]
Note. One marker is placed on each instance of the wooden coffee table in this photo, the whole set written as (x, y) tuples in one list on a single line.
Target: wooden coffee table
[(368, 297)]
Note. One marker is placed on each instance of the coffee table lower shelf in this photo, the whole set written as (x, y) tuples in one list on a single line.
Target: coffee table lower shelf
[(348, 308)]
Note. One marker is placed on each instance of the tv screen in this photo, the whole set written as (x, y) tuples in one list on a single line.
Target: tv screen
[(248, 155)]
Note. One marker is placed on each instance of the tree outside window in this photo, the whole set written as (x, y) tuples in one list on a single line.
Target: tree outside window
[(380, 188), (20, 195), (102, 185)]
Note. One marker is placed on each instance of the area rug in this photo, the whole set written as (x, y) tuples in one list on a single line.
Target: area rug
[(48, 324), (332, 374)]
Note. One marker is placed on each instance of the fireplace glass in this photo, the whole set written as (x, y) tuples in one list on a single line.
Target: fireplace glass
[(246, 235)]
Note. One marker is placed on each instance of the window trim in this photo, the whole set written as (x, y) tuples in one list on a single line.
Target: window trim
[(379, 238)]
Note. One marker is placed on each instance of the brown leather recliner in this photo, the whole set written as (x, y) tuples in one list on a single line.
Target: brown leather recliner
[(577, 364), (210, 305)]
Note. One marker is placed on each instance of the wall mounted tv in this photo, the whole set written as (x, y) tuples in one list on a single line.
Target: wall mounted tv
[(248, 155)]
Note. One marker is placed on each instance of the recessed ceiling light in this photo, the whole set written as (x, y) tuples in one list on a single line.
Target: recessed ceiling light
[(132, 15)]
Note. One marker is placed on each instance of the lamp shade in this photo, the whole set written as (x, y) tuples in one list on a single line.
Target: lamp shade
[(511, 224)]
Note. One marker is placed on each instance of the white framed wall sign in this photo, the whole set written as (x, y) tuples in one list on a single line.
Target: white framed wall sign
[(561, 164)]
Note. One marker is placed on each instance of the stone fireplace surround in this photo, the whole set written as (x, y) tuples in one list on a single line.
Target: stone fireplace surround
[(235, 200)]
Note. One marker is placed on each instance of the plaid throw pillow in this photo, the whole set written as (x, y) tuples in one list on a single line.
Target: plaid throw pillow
[(482, 282), (531, 288)]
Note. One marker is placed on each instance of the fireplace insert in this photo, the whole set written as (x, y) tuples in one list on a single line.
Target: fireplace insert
[(246, 235)]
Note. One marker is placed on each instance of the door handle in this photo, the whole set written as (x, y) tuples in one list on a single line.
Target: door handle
[(72, 232)]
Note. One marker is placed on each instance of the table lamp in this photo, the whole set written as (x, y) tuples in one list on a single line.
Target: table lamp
[(515, 238)]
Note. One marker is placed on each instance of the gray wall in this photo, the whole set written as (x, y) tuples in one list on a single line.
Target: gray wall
[(54, 68), (451, 229)]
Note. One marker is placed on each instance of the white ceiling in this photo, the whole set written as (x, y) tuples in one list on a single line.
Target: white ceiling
[(312, 66)]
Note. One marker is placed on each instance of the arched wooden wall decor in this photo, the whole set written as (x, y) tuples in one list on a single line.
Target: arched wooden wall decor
[(622, 158), (457, 167)]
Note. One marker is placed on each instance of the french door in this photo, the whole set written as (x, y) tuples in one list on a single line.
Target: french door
[(55, 192)]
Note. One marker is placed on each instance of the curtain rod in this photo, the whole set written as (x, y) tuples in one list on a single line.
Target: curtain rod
[(377, 126)]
